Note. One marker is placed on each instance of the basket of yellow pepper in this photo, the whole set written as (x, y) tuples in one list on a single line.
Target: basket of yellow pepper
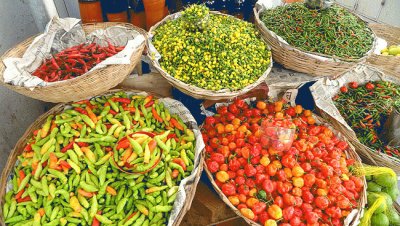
[(208, 54)]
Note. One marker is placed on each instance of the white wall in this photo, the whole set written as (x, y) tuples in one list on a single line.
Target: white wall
[(16, 111)]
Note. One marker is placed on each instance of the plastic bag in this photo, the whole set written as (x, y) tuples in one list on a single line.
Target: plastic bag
[(367, 170), (379, 203), (318, 4)]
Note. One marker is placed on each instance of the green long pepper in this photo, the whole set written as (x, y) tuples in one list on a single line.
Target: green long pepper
[(87, 168)]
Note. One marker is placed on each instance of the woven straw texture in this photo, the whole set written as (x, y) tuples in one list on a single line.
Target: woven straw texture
[(190, 189), (299, 60), (389, 64), (91, 84), (194, 91), (350, 153)]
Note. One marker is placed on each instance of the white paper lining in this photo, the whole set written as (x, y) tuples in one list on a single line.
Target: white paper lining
[(61, 34)]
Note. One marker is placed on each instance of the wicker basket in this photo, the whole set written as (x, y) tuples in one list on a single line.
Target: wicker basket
[(367, 154), (91, 84), (299, 60), (190, 189), (350, 153), (194, 91), (388, 64)]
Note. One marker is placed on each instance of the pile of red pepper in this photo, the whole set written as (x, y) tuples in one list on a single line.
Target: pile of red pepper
[(309, 184), (74, 61)]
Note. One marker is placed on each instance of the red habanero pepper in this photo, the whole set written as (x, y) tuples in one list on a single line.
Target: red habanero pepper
[(156, 116), (66, 148)]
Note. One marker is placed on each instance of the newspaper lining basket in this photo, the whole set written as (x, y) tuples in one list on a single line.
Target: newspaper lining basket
[(91, 84)]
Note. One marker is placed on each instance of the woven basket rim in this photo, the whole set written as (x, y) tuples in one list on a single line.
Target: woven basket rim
[(288, 47), (351, 152), (190, 189), (201, 92), (86, 75)]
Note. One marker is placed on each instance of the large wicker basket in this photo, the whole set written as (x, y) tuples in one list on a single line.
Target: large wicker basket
[(194, 91), (302, 61), (328, 110), (91, 84), (349, 153), (190, 188), (388, 64)]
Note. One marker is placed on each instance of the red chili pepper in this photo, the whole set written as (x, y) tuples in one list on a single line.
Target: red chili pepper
[(66, 148), (82, 144), (149, 104), (147, 100), (65, 164), (28, 147), (130, 216), (123, 143), (81, 110), (176, 124), (122, 100), (54, 63), (19, 194), (99, 56), (171, 135), (180, 162), (155, 115), (112, 112), (26, 199)]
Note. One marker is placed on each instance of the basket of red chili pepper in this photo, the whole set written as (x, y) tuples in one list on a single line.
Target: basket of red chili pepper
[(68, 75), (310, 183), (358, 104), (319, 42), (122, 157)]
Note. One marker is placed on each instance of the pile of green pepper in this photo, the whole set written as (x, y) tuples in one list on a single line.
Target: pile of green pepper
[(70, 170), (333, 31), (227, 53)]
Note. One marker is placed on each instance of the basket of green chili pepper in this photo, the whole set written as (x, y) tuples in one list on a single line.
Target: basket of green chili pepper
[(122, 158), (208, 54), (388, 63), (319, 42), (359, 104)]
